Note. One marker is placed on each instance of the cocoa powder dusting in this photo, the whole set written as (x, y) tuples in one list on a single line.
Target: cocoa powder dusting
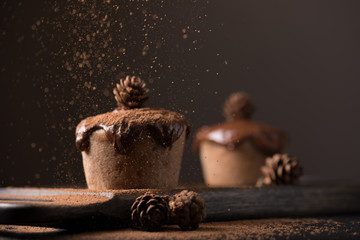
[(67, 196), (62, 200), (343, 227), (122, 127)]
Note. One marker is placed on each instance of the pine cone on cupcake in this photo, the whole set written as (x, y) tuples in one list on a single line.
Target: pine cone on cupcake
[(131, 93), (238, 106), (233, 152), (132, 146)]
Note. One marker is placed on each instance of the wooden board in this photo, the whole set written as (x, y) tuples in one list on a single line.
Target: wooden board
[(81, 208)]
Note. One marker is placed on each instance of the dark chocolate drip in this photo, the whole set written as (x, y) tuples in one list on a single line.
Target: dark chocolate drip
[(267, 139), (166, 135), (125, 131)]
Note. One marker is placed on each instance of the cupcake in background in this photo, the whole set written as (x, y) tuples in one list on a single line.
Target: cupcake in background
[(232, 153)]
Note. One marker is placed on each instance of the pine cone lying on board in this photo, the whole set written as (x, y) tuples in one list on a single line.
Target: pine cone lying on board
[(149, 211), (187, 209), (281, 169)]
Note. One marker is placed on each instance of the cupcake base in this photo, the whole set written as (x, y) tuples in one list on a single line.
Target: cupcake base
[(230, 168), (145, 165)]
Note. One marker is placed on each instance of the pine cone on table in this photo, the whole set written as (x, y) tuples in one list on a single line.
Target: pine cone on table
[(239, 105), (130, 93), (187, 209), (150, 211), (281, 169)]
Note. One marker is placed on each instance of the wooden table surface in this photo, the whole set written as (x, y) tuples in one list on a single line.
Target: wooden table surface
[(335, 227), (83, 208), (311, 210)]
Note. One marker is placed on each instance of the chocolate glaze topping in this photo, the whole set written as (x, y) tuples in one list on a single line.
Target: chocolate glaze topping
[(124, 127), (267, 139)]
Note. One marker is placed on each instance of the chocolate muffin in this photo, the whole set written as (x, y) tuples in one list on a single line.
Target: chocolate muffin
[(132, 147), (233, 152)]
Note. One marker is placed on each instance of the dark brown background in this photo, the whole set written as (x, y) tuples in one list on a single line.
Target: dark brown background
[(300, 61)]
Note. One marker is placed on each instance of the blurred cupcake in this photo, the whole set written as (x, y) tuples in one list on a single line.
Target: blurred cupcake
[(233, 152), (132, 146)]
